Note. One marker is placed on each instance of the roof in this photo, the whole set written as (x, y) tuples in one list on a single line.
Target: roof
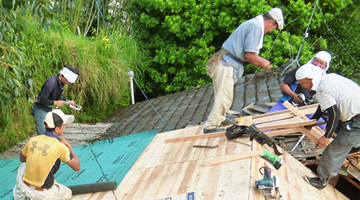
[(180, 170), (191, 107)]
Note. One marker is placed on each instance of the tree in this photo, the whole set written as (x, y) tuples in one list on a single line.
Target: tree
[(179, 36)]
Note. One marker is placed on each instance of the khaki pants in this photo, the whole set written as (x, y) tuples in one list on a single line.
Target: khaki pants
[(56, 192), (223, 85)]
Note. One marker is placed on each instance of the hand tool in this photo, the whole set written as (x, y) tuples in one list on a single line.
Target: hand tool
[(75, 107), (269, 185), (236, 131), (274, 160)]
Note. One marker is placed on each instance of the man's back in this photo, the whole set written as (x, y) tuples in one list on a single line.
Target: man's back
[(43, 155), (345, 93)]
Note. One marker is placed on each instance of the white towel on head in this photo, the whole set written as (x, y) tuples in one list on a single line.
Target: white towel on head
[(69, 75)]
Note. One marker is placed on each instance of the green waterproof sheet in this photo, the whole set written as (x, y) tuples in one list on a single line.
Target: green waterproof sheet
[(114, 156)]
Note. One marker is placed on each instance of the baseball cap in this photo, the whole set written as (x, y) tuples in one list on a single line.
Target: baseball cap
[(69, 74), (277, 15), (312, 72), (56, 117)]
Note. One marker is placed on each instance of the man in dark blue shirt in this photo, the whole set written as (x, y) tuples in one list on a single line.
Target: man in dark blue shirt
[(51, 94)]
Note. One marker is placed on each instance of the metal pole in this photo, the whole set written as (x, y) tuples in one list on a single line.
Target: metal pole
[(131, 77)]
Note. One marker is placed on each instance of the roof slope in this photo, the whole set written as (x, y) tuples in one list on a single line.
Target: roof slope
[(192, 106)]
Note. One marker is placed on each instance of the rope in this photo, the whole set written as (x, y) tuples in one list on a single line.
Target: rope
[(303, 40)]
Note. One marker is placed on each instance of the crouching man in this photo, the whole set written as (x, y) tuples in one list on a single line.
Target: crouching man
[(42, 155)]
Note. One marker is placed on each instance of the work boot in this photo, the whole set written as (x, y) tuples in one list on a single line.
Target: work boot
[(316, 182), (227, 122), (213, 130)]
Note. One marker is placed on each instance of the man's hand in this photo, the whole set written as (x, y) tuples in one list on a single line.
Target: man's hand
[(295, 98), (322, 142), (58, 103), (71, 102)]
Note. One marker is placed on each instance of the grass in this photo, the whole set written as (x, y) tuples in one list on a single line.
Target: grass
[(102, 86)]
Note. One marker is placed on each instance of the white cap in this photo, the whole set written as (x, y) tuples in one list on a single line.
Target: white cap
[(323, 55), (312, 72), (69, 75), (277, 15), (56, 117)]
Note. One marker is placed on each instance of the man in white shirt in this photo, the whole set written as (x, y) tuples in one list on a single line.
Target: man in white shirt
[(340, 97)]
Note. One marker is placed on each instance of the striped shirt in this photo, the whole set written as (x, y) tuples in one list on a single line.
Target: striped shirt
[(337, 90)]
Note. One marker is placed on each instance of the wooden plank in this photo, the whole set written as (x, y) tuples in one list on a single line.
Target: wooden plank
[(280, 132), (284, 115), (315, 131), (245, 121), (264, 127), (195, 137), (304, 109), (231, 158)]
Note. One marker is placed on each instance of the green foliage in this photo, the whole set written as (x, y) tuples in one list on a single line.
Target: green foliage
[(179, 36), (30, 57)]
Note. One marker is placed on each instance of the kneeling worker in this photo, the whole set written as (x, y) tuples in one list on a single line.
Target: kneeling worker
[(43, 155)]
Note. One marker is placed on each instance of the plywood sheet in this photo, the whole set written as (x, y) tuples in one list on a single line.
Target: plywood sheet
[(175, 169)]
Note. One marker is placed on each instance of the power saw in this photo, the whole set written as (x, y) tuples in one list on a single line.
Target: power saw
[(269, 185)]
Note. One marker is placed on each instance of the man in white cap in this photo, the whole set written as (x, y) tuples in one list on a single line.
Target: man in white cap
[(340, 98), (42, 156), (51, 94), (290, 86), (242, 47)]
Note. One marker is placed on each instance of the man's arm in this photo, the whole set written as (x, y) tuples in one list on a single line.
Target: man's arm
[(74, 163), (334, 115), (258, 61), (287, 90), (22, 158)]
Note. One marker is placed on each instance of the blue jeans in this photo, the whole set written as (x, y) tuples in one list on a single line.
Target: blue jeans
[(39, 117)]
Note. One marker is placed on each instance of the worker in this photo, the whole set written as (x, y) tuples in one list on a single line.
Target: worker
[(242, 46), (340, 98), (51, 94), (291, 88), (42, 155)]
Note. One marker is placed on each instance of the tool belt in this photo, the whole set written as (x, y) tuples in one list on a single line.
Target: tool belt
[(235, 131), (214, 61), (33, 187)]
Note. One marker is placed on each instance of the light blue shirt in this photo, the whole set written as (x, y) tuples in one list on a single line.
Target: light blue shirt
[(246, 38)]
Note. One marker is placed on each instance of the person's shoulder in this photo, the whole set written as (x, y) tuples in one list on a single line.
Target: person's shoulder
[(52, 79), (252, 23)]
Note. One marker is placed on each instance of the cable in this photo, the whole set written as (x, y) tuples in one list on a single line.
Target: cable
[(95, 157), (302, 42), (337, 38)]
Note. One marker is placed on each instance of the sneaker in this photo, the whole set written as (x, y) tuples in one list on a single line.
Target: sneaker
[(213, 130), (316, 182), (227, 122)]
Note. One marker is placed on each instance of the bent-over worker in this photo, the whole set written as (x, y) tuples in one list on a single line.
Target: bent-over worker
[(340, 97)]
